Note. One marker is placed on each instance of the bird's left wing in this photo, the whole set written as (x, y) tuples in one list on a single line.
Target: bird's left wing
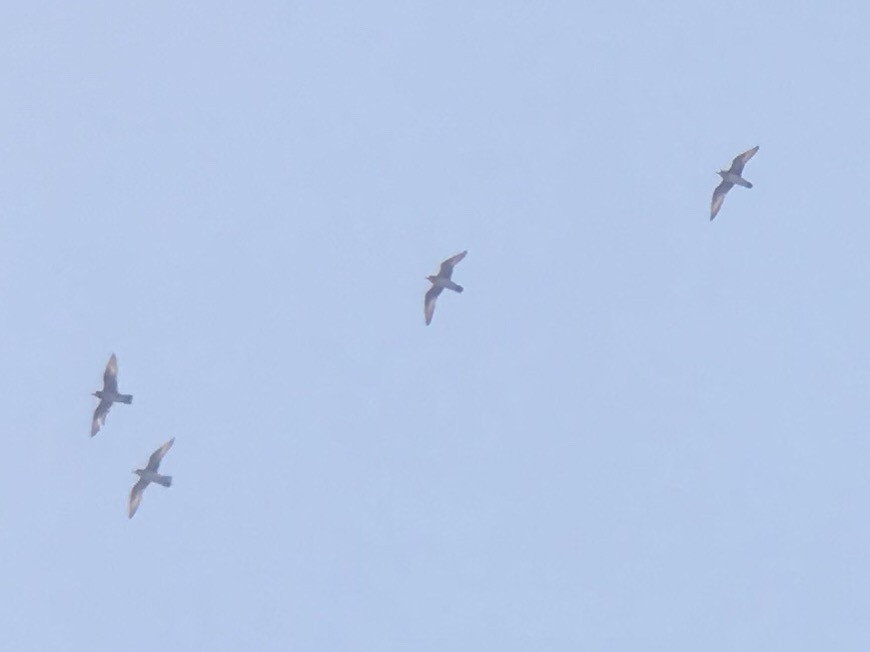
[(156, 456), (110, 376), (741, 159), (448, 265)]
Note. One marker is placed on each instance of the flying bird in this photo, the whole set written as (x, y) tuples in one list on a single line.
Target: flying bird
[(730, 177), (440, 281), (148, 475), (108, 395)]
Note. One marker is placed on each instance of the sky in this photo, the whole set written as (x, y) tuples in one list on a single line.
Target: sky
[(634, 429)]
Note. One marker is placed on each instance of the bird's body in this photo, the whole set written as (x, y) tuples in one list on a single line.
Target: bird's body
[(108, 395), (445, 283), (440, 282), (114, 397), (148, 475), (151, 476), (730, 178), (734, 179)]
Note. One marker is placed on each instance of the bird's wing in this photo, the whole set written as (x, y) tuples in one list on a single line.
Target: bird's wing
[(719, 197), (110, 376), (741, 159), (136, 496), (100, 416), (429, 303), (448, 265), (156, 456)]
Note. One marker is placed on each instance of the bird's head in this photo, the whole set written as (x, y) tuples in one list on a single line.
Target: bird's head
[(138, 472), (431, 278)]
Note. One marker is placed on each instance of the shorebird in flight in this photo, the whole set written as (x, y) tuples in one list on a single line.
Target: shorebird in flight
[(148, 475), (440, 281), (108, 395), (730, 177)]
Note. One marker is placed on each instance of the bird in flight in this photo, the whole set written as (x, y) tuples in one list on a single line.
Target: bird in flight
[(108, 395), (148, 475), (440, 281), (730, 177)]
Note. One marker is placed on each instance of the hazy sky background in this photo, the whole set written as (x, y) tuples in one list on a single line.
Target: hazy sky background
[(634, 430)]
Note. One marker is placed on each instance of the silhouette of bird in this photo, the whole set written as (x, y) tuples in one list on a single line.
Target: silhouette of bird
[(730, 177), (108, 395), (148, 475), (440, 281)]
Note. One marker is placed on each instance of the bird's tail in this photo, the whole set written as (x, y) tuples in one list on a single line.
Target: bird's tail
[(165, 480), (125, 398), (455, 287), (744, 183)]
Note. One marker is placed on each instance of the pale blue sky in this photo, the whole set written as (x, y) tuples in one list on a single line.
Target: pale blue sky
[(634, 430)]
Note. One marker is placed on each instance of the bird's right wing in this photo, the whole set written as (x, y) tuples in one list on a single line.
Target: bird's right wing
[(741, 159), (719, 197), (100, 416), (156, 456), (429, 303), (136, 496), (110, 376)]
